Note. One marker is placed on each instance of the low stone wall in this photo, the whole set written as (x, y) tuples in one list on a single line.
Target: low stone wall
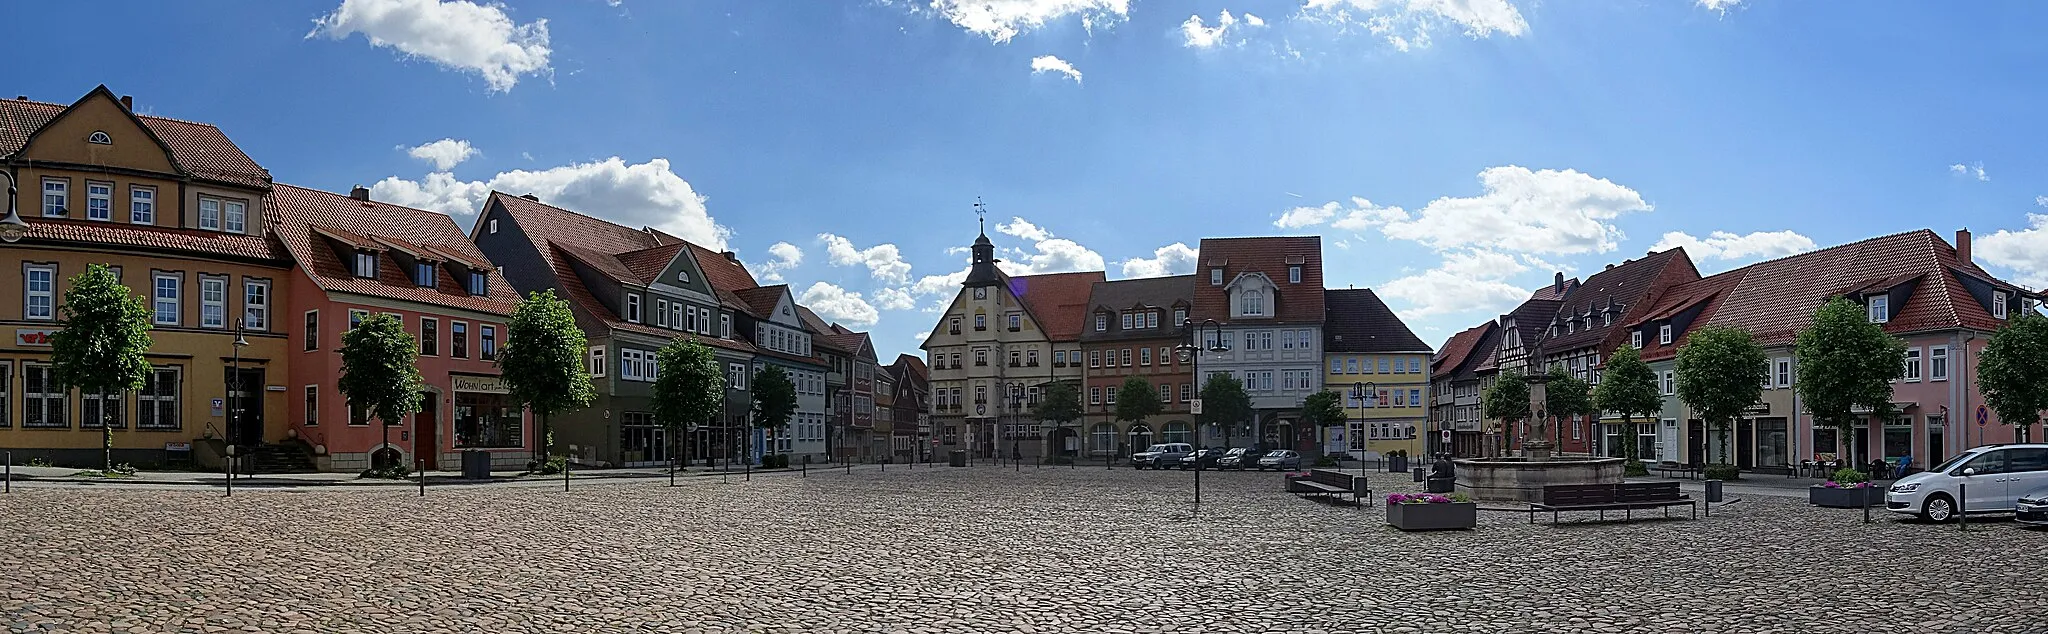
[(1522, 480)]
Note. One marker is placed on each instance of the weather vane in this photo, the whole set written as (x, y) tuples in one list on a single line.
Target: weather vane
[(981, 214)]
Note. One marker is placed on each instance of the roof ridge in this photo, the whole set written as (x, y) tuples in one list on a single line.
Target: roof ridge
[(572, 212)]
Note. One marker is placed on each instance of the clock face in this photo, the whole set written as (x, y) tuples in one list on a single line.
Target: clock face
[(981, 292)]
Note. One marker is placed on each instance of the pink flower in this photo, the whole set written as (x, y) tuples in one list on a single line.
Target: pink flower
[(1831, 484)]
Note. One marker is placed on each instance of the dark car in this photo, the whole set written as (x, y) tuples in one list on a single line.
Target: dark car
[(2032, 508), (1201, 459), (1240, 458)]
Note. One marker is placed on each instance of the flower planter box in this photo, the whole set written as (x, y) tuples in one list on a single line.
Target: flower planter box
[(1844, 497), (1433, 517)]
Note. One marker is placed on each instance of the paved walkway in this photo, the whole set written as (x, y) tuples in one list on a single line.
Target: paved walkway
[(65, 476)]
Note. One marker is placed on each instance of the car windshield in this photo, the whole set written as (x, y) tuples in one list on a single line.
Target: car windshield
[(1158, 448), (1952, 462)]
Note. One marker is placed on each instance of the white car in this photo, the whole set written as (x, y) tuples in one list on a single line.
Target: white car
[(1988, 479)]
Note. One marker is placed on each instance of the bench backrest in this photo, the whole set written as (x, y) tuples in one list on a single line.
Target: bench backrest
[(1569, 494), (1646, 491), (1332, 478)]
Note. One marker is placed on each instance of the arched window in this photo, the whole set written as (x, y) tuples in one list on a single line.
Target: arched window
[(1252, 302), (1178, 431), (99, 138), (1102, 438), (1141, 435)]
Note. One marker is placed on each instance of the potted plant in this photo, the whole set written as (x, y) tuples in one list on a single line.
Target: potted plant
[(1431, 512), (1848, 489)]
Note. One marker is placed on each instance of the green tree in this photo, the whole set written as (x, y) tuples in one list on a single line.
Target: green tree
[(1135, 400), (1061, 404), (380, 372), (1323, 409), (2012, 373), (688, 388), (1845, 362), (1721, 371), (1224, 404), (99, 350), (1566, 396), (774, 400), (1507, 401), (1628, 387), (542, 362)]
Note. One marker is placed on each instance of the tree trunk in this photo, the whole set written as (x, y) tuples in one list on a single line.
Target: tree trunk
[(1727, 428), (106, 438)]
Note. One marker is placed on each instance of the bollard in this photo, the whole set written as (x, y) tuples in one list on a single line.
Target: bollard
[(1866, 502), (10, 472), (422, 465), (806, 468), (671, 471), (1962, 512), (565, 474)]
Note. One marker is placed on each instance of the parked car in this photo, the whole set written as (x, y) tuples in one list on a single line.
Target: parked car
[(1993, 478), (1240, 458), (2033, 508), (1161, 456), (1201, 459), (1284, 459)]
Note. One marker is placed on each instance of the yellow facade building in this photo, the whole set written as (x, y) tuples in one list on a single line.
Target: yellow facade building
[(1381, 369)]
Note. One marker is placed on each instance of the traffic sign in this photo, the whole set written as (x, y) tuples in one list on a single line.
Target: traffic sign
[(1983, 415), (1195, 407), (1447, 436)]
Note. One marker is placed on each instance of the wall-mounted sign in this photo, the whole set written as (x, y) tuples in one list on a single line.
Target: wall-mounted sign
[(488, 384), (219, 406), (33, 336), (273, 388)]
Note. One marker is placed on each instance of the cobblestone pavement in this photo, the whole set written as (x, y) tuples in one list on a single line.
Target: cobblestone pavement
[(972, 550)]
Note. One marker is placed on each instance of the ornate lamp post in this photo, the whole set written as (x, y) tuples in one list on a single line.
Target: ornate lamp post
[(1190, 351), (12, 227), (1367, 394), (234, 386), (1016, 425)]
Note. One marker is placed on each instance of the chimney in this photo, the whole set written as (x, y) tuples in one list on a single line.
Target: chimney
[(730, 256), (128, 103), (1963, 245), (1559, 284), (1610, 266), (530, 197), (359, 192)]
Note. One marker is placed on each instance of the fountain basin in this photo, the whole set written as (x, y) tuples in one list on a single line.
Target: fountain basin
[(1510, 479)]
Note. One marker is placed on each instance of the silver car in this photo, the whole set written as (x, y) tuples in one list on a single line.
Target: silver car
[(2033, 508), (1164, 455), (1283, 459)]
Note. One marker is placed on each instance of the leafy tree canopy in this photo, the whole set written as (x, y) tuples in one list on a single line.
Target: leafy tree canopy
[(1628, 386), (1135, 400), (379, 368), (542, 359), (2013, 372), (1721, 372), (1844, 362), (774, 398), (688, 388), (1061, 404), (1508, 399), (99, 350), (1323, 408), (1565, 395), (1224, 401)]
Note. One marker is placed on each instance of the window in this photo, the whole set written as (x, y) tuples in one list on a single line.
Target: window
[(1782, 371), (1880, 309), (661, 308), (156, 405), (630, 366), (1937, 363), (56, 196), (423, 274), (1912, 365), (1144, 356), (96, 410), (683, 316), (141, 205), (633, 307), (1187, 392), (1094, 358), (237, 214), (1165, 355), (430, 337), (1215, 277), (725, 326), (1127, 357), (492, 225), (1400, 398), (312, 406), (1664, 335), (1095, 395), (1998, 304), (99, 138), (256, 305), (1383, 366), (1180, 316), (1351, 365), (1109, 396), (487, 342), (1336, 365), (479, 283), (312, 330), (458, 340), (366, 264), (42, 401), (40, 290), (213, 301), (1016, 359), (981, 322), (1252, 303), (1669, 387), (1059, 358), (1030, 359), (1166, 392), (1415, 396), (1126, 321), (1635, 339), (167, 293), (99, 201), (1016, 322)]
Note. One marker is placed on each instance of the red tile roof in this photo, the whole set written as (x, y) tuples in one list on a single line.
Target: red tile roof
[(1457, 350), (200, 149), (1776, 298), (127, 236), (1709, 293), (1058, 302), (1296, 303), (1628, 286), (293, 211), (647, 264)]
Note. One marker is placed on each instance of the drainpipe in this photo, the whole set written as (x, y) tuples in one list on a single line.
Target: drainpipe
[(1968, 413)]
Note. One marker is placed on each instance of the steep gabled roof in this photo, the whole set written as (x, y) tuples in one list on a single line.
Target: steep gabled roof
[(1706, 295), (259, 247), (647, 264), (1157, 292), (1623, 288), (1058, 302), (1358, 321), (304, 218), (1457, 351), (1268, 256), (1776, 298), (200, 149)]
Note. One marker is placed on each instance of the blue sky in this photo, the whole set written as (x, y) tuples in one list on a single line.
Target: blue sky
[(1451, 153)]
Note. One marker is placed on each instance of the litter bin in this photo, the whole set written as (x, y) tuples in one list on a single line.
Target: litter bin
[(1441, 485), (476, 465), (957, 458), (1713, 491), (1418, 474)]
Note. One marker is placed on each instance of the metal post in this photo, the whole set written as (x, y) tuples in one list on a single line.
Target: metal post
[(565, 474), (231, 471), (423, 476), (10, 472), (1866, 502), (671, 470), (1962, 511)]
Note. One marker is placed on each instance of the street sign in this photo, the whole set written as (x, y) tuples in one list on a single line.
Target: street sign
[(1983, 415), (1195, 407), (1447, 436)]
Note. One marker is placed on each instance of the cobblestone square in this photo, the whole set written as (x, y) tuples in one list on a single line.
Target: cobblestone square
[(970, 550)]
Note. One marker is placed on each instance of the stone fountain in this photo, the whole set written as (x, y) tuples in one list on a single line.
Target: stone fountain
[(1522, 478)]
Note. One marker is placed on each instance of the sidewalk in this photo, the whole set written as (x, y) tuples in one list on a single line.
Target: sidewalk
[(67, 476)]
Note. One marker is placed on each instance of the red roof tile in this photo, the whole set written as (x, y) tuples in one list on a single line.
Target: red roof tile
[(1777, 298), (1359, 322), (1296, 303), (647, 264), (1709, 293), (200, 149), (292, 212), (120, 235), (1629, 287), (1058, 302), (1457, 350)]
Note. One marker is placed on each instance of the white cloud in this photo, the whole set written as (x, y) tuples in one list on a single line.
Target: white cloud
[(1406, 24), (1050, 64), (1196, 34), (1000, 20), (457, 34), (2041, 200), (1720, 6), (444, 154), (883, 261), (1464, 281), (1977, 169), (1022, 228), (642, 194), (1048, 253), (1518, 210), (894, 299), (941, 286), (921, 336), (2025, 251), (787, 256), (1299, 217), (1173, 259), (839, 305), (1722, 245)]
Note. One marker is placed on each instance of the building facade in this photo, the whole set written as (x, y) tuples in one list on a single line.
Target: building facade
[(1456, 390), (1589, 325), (1381, 369), (1133, 329), (1265, 297)]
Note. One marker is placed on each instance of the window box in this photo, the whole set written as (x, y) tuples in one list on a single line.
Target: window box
[(1846, 497), (1433, 517)]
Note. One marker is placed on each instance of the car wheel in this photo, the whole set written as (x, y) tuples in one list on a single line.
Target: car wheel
[(1938, 508)]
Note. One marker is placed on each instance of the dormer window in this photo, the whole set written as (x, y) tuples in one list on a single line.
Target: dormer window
[(366, 264), (1101, 322), (479, 284), (1664, 335), (423, 274), (1294, 274), (1606, 319), (683, 276), (1998, 305), (633, 307), (1180, 316), (1880, 309), (1635, 339), (1215, 277), (99, 138), (1252, 302)]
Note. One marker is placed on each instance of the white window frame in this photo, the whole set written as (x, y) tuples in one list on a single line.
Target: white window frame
[(1215, 277), (99, 206), (597, 362), (1913, 369), (1251, 302), (1937, 371), (1669, 385), (1635, 339), (1664, 334), (1294, 274), (213, 301), (1998, 304), (633, 307), (725, 325), (1879, 309), (256, 310), (234, 216), (661, 307), (491, 226), (209, 214), (46, 310), (157, 300), (141, 204), (1781, 371), (43, 399), (62, 193)]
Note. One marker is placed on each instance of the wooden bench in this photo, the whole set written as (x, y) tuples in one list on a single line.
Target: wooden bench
[(1626, 497), (1666, 468), (1328, 483)]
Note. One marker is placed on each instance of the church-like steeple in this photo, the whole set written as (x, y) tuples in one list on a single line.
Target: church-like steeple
[(984, 272)]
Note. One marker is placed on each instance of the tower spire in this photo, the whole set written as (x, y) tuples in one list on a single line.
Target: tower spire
[(981, 215), (983, 272)]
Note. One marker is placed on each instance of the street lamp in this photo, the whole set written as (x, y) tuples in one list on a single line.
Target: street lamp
[(1190, 350), (12, 227), (1016, 422), (234, 386), (1364, 393)]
